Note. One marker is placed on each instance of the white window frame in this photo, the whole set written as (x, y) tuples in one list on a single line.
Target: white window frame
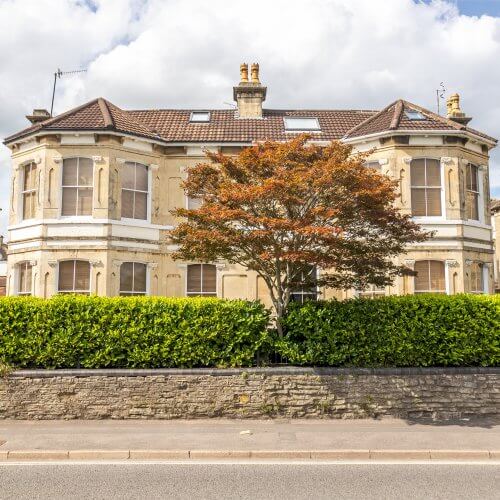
[(17, 281), (202, 294), (414, 112), (302, 293), (301, 129), (194, 113), (24, 192), (79, 217), (148, 192), (80, 292), (479, 192), (446, 279), (128, 292), (430, 218), (372, 292)]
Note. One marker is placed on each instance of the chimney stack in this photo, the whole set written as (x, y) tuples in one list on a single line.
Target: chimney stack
[(39, 115), (453, 111), (249, 95)]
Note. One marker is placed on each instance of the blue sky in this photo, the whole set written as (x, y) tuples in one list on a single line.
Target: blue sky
[(479, 7), (475, 7)]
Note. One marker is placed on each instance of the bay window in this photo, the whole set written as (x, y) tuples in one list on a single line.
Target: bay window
[(135, 190), (201, 280), (24, 282), (133, 278), (472, 189), (425, 175), (29, 191), (430, 276), (476, 278), (77, 186), (74, 277)]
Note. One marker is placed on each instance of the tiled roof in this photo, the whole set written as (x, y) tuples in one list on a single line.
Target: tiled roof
[(495, 206), (394, 117), (224, 126), (173, 125)]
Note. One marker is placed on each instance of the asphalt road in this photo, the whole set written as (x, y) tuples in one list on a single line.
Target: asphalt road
[(248, 480)]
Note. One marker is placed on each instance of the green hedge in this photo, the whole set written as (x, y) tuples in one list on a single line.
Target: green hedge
[(141, 332), (419, 330)]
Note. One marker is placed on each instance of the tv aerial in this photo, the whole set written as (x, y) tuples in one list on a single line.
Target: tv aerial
[(440, 95), (60, 74)]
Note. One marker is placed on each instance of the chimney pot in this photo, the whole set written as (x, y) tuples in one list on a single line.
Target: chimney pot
[(453, 111), (249, 94), (244, 72), (38, 115), (255, 73)]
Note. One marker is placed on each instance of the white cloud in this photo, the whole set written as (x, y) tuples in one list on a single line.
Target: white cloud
[(173, 53)]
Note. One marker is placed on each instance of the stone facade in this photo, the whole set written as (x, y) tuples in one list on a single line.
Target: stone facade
[(434, 393), (106, 240)]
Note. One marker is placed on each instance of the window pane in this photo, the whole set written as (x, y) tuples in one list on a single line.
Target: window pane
[(25, 276), (127, 204), (472, 183), (140, 277), (69, 201), (375, 165), (141, 177), (299, 123), (437, 276), (209, 278), (433, 202), (85, 172), (29, 205), (126, 271), (418, 206), (433, 173), (417, 172), (472, 206), (194, 203), (82, 275), (194, 278), (66, 269), (70, 172), (85, 201), (422, 278), (141, 206), (29, 177), (128, 175)]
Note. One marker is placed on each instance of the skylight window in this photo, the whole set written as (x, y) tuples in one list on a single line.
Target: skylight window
[(414, 115), (301, 123), (200, 117)]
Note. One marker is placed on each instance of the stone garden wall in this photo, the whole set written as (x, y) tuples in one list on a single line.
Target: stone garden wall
[(413, 393)]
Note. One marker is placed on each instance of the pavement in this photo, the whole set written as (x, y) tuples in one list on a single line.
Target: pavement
[(385, 439)]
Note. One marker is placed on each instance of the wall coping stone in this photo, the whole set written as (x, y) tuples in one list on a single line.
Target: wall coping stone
[(275, 370)]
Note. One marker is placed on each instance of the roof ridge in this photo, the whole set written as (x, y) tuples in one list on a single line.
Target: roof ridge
[(106, 114), (396, 118), (435, 116), (370, 118), (70, 112)]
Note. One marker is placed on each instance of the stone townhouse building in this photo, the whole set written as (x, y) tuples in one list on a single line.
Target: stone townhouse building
[(92, 189)]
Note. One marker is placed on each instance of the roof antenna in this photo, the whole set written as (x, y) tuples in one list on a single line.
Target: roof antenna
[(59, 74), (231, 104), (440, 95)]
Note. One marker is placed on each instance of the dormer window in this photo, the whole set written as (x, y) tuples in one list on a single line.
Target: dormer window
[(301, 124), (414, 115), (200, 117)]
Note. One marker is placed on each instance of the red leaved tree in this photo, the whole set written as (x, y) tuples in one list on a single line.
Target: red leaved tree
[(279, 208)]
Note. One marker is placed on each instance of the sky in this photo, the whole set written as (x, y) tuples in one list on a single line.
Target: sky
[(329, 54)]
